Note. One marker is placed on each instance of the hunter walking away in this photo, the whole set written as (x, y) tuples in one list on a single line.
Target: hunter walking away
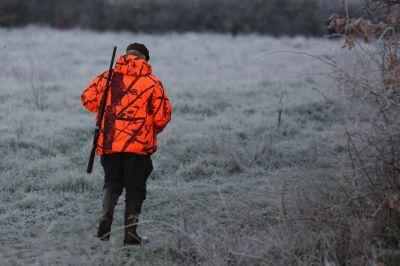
[(132, 108)]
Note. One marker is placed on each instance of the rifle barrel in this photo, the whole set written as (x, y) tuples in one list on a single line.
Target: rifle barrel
[(100, 115)]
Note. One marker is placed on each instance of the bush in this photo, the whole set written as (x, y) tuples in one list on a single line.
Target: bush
[(354, 218)]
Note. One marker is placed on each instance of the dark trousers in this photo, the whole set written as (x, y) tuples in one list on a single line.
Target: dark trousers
[(127, 170)]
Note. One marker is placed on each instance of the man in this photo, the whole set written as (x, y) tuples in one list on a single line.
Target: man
[(137, 110)]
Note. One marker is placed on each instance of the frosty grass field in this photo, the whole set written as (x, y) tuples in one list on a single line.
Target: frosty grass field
[(215, 195)]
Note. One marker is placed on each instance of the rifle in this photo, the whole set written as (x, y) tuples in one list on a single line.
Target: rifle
[(100, 115)]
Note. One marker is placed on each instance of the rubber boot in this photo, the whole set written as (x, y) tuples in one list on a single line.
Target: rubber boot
[(110, 199), (132, 212)]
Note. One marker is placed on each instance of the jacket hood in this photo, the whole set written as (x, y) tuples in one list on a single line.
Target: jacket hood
[(133, 66)]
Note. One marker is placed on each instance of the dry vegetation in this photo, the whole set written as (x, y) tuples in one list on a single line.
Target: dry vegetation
[(358, 219), (264, 163), (215, 197)]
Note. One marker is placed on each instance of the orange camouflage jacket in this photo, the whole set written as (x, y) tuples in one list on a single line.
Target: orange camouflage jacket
[(137, 107)]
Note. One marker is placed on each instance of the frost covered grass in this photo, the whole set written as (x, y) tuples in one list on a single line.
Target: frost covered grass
[(215, 197)]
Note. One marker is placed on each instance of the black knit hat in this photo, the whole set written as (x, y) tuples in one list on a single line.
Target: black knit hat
[(141, 48)]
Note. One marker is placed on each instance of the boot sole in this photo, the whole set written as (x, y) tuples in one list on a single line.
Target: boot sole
[(143, 241)]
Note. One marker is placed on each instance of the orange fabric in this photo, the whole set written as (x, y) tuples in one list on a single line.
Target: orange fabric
[(137, 107)]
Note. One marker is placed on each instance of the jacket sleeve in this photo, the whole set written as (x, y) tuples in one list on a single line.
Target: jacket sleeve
[(163, 109), (93, 92)]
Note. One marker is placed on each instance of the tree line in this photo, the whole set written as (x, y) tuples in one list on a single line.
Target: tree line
[(275, 17)]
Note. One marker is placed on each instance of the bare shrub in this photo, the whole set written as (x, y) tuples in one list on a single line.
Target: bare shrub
[(355, 216)]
